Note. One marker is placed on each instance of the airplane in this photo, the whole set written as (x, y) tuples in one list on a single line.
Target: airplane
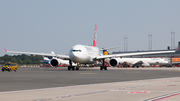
[(84, 54), (136, 62), (46, 60)]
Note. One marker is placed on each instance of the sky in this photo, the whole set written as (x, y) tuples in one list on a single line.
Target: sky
[(57, 25)]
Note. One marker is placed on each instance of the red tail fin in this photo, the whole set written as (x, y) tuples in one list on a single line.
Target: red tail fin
[(94, 42), (177, 49), (5, 49)]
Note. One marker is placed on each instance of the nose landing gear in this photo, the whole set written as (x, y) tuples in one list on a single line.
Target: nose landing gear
[(103, 67), (73, 67)]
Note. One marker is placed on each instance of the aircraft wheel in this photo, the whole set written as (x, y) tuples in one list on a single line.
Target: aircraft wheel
[(69, 67), (101, 68), (2, 70), (77, 68), (105, 67), (73, 67)]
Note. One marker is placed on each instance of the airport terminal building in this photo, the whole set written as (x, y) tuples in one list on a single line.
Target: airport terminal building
[(175, 55)]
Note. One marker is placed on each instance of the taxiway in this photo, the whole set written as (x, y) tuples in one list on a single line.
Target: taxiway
[(54, 84)]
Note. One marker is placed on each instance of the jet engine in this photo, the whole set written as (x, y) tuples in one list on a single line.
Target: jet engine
[(55, 62), (114, 62)]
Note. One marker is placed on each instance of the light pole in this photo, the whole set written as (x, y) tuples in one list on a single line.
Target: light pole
[(172, 39), (126, 43), (150, 42)]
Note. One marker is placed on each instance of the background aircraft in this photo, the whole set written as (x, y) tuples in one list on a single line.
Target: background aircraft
[(136, 62), (46, 60)]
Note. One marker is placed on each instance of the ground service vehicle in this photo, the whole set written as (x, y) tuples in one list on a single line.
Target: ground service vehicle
[(9, 66)]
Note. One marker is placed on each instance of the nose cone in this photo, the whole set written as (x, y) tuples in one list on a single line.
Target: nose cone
[(78, 54), (76, 57)]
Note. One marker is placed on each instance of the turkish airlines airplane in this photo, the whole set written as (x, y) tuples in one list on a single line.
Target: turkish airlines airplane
[(84, 54)]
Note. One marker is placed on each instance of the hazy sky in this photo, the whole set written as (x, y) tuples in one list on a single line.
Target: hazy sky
[(57, 25)]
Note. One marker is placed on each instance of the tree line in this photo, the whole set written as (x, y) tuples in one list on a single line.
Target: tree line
[(21, 59)]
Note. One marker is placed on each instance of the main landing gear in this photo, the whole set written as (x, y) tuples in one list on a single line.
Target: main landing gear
[(103, 67), (73, 68)]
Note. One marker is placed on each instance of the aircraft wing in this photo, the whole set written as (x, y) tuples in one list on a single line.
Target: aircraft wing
[(130, 54), (43, 54)]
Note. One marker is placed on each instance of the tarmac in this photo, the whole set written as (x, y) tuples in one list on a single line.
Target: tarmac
[(118, 84)]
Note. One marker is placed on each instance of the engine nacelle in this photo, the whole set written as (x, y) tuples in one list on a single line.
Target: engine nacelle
[(114, 62), (55, 62)]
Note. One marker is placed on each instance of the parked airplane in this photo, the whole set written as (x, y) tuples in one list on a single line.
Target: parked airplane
[(84, 54), (135, 62), (46, 60)]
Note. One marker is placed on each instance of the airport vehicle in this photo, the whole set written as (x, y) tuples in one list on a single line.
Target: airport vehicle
[(84, 54), (178, 65), (9, 66)]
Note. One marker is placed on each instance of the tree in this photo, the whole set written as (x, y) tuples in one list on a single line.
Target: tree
[(21, 59)]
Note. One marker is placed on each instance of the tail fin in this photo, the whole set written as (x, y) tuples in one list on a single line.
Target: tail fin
[(94, 42), (5, 49), (52, 52), (105, 52), (177, 49)]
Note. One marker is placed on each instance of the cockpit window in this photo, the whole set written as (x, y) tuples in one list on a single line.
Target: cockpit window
[(76, 50)]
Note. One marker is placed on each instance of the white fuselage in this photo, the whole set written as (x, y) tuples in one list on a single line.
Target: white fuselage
[(83, 54), (144, 60), (138, 61)]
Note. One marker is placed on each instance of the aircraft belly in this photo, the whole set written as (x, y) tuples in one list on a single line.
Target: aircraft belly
[(88, 60)]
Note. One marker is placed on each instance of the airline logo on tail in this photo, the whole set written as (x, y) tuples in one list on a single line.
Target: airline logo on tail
[(105, 52), (94, 42)]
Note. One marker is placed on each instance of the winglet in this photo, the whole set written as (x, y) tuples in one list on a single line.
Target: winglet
[(94, 42), (5, 49)]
